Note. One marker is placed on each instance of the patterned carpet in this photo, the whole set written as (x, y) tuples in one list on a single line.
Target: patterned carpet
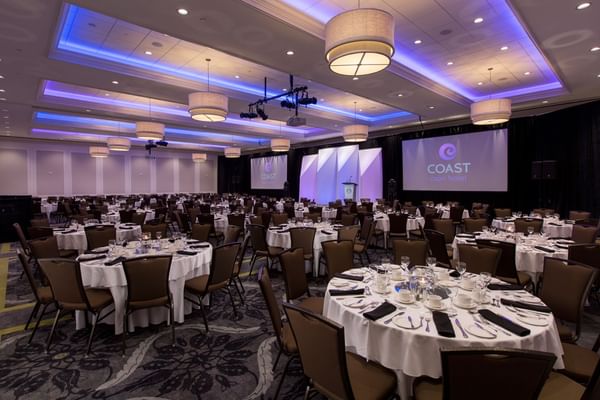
[(233, 361)]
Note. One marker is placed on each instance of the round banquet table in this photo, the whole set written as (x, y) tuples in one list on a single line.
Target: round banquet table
[(382, 221), (554, 227), (48, 208), (78, 241), (280, 237), (446, 213), (326, 213), (183, 267), (114, 216), (416, 352)]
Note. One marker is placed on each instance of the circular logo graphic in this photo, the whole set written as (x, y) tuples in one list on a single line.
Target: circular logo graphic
[(447, 151)]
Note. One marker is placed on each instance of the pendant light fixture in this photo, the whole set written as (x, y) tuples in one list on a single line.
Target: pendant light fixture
[(149, 130), (118, 144), (208, 106), (280, 145), (199, 157), (233, 152), (360, 41), (99, 151), (491, 111), (355, 133)]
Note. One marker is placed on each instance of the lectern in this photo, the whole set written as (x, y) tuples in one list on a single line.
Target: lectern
[(349, 190)]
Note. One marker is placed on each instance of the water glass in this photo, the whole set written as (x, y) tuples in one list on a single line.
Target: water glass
[(530, 230), (405, 262), (158, 235), (385, 262), (431, 261), (461, 268)]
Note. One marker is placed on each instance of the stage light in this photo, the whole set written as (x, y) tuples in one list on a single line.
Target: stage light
[(288, 104), (305, 101), (261, 113), (249, 115)]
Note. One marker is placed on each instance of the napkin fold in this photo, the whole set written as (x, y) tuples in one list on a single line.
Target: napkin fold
[(454, 274), (348, 276), (504, 323), (546, 249), (443, 324), (471, 241), (562, 246), (381, 311), (554, 224), (127, 228), (200, 246), (501, 286), (327, 232), (191, 241), (526, 306), (69, 231), (348, 292), (86, 259), (186, 253), (115, 261)]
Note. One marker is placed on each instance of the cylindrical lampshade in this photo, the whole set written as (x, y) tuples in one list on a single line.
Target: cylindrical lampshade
[(118, 144), (199, 157), (355, 133), (489, 112), (280, 144), (99, 151), (233, 152), (359, 42), (150, 130), (208, 106)]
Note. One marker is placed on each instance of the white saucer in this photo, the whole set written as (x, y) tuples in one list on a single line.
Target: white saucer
[(442, 307), (465, 307), (339, 283), (402, 322), (387, 290), (480, 333), (411, 301), (356, 303), (448, 283), (533, 320)]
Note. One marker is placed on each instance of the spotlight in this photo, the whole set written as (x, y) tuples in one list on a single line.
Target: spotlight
[(287, 104), (162, 143), (305, 101), (249, 115), (261, 113)]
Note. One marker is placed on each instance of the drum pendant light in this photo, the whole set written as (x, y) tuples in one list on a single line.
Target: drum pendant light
[(233, 152), (491, 111), (199, 157), (99, 151), (118, 144), (149, 130), (208, 106), (355, 133)]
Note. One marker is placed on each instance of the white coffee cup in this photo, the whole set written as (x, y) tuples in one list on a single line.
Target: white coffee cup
[(463, 300), (467, 284), (405, 295), (397, 275), (443, 276), (434, 301)]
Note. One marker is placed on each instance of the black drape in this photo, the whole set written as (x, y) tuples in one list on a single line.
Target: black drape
[(570, 136)]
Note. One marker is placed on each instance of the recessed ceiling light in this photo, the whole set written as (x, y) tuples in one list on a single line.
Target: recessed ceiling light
[(479, 83), (545, 102), (418, 41), (355, 78), (290, 52), (2, 98), (450, 63), (400, 95), (431, 107), (284, 89), (583, 6), (596, 48), (360, 109), (322, 100), (2, 90), (88, 110), (237, 77), (527, 73), (107, 94), (182, 11), (1, 76), (504, 48), (115, 82), (148, 53), (478, 20)]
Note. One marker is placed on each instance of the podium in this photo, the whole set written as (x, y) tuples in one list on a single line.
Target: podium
[(349, 190)]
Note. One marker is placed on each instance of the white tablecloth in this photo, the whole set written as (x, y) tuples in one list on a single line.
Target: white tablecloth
[(413, 353), (326, 213), (48, 208), (78, 241), (96, 274), (552, 226), (114, 216), (382, 221), (446, 213)]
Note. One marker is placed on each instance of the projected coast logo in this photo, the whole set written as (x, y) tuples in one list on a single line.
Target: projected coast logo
[(451, 171), (447, 151)]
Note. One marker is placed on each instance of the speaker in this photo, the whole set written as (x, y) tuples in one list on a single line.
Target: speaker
[(545, 169), (536, 170)]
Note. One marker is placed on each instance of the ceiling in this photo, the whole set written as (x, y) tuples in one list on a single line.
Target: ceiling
[(86, 70)]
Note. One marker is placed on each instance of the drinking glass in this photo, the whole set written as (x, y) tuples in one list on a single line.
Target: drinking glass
[(431, 261), (158, 235), (405, 262), (385, 262), (111, 247), (461, 268), (318, 220), (530, 230), (486, 278)]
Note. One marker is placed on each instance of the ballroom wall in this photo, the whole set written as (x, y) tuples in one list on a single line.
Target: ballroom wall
[(45, 168)]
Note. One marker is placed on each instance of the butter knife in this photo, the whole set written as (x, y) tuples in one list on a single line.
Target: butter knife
[(411, 322), (461, 328), (477, 324)]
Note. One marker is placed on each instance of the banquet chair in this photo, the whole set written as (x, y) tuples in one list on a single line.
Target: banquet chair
[(580, 361), (584, 234), (153, 228), (296, 284), (447, 227), (232, 234), (502, 212), (565, 289), (182, 221), (200, 232), (479, 259), (39, 222), (366, 233), (237, 267), (588, 254), (221, 269), (265, 218), (99, 235), (507, 269), (522, 224), (42, 294), (138, 218), (38, 232), (126, 216), (475, 224), (256, 220), (48, 248), (437, 247), (456, 215), (398, 224), (279, 218), (304, 237), (332, 371), (147, 286), (258, 239), (348, 232), (193, 214), (70, 294), (501, 374), (237, 220), (23, 241), (339, 255), (561, 387), (313, 217), (411, 210), (579, 215), (415, 249), (348, 219), (209, 219), (283, 333)]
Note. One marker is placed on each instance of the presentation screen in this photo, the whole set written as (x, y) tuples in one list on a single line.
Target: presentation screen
[(468, 162), (268, 172)]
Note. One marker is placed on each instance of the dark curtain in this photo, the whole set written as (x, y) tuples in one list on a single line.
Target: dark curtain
[(571, 137)]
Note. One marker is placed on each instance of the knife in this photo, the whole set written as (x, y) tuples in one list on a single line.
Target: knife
[(411, 322), (461, 328), (477, 324)]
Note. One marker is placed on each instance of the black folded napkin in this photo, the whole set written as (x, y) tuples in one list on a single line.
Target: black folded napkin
[(86, 259), (69, 231), (283, 225), (526, 306), (554, 224), (186, 253), (347, 292), (348, 276), (115, 261), (444, 293), (191, 241), (546, 249), (501, 286), (128, 228), (471, 241), (454, 274), (171, 240), (200, 246), (97, 251), (379, 312), (504, 323), (284, 231), (564, 242), (58, 229), (274, 228), (328, 232), (562, 246), (442, 324)]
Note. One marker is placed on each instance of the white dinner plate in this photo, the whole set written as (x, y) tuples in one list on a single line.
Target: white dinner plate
[(480, 333), (394, 266), (442, 306), (356, 303), (470, 306), (403, 322), (339, 283), (356, 272), (387, 290), (448, 283), (533, 320)]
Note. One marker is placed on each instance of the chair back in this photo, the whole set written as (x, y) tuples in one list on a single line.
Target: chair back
[(266, 218), (22, 239), (279, 219), (258, 237), (366, 229), (236, 219), (65, 281), (200, 232), (592, 390), (501, 373), (39, 222), (339, 255), (506, 265), (348, 219), (313, 217), (579, 215), (584, 234), (479, 260), (126, 216), (411, 210), (437, 246), (44, 247), (474, 224), (445, 226), (38, 232), (147, 279), (565, 288), (398, 223), (456, 213), (523, 224), (303, 237), (207, 219), (153, 228), (502, 212), (232, 234), (99, 235), (267, 291), (588, 254), (322, 351), (138, 218), (348, 232), (223, 261), (294, 275), (415, 249), (29, 274)]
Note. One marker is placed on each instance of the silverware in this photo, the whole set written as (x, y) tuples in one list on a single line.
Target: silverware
[(386, 322), (411, 322), (427, 327), (477, 324), (461, 328), (494, 326)]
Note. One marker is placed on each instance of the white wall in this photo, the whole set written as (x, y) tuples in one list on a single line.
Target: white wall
[(45, 168)]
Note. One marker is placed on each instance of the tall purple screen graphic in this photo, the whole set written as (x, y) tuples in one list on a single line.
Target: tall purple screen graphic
[(268, 172), (468, 162)]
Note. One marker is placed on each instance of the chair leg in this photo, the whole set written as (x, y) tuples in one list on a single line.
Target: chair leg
[(94, 320), (36, 307), (277, 359), (124, 336), (37, 323), (367, 254), (252, 261), (283, 377), (232, 302), (58, 312), (238, 290), (172, 319), (307, 392), (241, 286), (203, 313)]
